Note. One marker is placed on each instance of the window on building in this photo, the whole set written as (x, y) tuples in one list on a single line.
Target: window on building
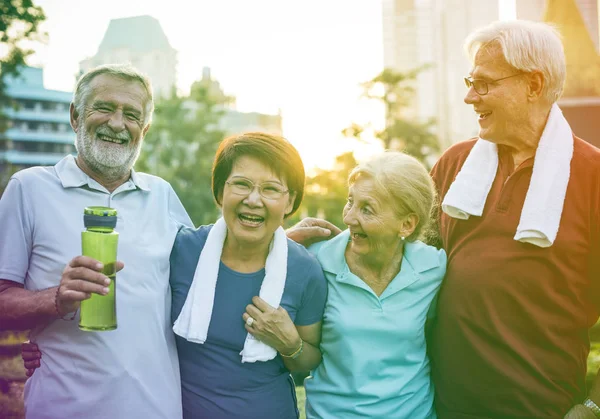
[(6, 144)]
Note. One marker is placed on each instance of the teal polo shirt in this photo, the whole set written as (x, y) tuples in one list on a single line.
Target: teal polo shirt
[(375, 360)]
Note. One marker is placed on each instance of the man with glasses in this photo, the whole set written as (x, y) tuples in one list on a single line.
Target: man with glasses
[(520, 222)]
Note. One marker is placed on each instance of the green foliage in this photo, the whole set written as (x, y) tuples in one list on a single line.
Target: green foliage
[(326, 192), (394, 90), (6, 171), (301, 398), (19, 20), (180, 147)]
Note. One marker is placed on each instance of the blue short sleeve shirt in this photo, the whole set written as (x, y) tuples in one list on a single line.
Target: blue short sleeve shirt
[(215, 383), (375, 360)]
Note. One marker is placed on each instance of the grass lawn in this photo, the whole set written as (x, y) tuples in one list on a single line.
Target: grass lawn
[(301, 395), (10, 406), (593, 366)]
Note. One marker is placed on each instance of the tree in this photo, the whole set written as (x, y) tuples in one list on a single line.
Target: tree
[(394, 90), (19, 22), (180, 147), (326, 192)]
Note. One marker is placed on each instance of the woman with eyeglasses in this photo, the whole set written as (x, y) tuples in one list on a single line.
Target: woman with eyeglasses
[(247, 302)]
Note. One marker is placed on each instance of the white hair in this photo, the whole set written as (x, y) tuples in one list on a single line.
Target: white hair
[(527, 46), (404, 182), (123, 71)]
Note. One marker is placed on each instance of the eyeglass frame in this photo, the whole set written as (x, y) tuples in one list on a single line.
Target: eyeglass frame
[(255, 185), (470, 82)]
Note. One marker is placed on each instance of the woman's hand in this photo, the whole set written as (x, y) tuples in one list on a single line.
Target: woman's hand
[(312, 230), (272, 326)]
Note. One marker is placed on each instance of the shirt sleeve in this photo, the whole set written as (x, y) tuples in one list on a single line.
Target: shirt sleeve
[(16, 238), (177, 212), (314, 297)]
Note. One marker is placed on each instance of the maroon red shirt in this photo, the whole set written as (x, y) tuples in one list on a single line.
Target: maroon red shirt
[(511, 337)]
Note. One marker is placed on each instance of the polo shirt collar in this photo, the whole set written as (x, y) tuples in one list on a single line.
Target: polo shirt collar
[(418, 258), (71, 176)]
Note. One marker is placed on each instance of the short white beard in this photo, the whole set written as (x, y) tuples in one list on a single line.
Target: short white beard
[(104, 160)]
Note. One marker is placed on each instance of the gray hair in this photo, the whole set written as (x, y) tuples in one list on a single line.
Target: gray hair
[(527, 46), (123, 71), (405, 182)]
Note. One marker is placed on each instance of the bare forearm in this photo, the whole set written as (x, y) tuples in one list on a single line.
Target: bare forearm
[(22, 309), (308, 359)]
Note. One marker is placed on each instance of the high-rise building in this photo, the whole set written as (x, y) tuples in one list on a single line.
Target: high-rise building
[(432, 32), (141, 42), (39, 131), (588, 9)]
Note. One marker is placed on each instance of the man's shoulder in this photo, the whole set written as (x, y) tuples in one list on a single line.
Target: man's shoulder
[(33, 174), (152, 180), (459, 151), (35, 182), (448, 165), (582, 150)]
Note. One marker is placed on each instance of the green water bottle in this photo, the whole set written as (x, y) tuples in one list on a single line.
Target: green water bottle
[(99, 241)]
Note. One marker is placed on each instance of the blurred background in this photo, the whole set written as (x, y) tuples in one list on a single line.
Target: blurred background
[(340, 79)]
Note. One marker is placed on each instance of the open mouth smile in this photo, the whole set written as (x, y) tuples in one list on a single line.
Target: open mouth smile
[(251, 219), (108, 139)]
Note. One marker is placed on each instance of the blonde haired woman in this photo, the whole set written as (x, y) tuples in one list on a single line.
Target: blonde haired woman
[(382, 282)]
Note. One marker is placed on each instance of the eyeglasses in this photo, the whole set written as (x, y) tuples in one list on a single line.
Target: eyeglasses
[(481, 86), (244, 187)]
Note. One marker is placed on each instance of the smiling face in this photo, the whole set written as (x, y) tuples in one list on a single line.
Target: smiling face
[(111, 128), (252, 219), (374, 226), (504, 110)]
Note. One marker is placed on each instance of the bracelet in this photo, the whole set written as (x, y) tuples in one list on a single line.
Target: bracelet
[(592, 406), (296, 353), (61, 316)]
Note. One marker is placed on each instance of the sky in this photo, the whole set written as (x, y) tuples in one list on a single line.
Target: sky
[(305, 58)]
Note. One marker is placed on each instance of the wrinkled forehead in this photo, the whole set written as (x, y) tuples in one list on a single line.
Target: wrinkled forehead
[(119, 90)]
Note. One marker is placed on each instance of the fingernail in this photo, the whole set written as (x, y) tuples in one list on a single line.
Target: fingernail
[(105, 291), (107, 281), (99, 266)]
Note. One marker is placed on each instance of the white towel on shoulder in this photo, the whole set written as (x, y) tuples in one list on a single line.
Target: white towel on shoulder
[(194, 319), (542, 210)]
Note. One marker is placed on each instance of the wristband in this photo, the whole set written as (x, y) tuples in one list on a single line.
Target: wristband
[(296, 353), (61, 316), (592, 406)]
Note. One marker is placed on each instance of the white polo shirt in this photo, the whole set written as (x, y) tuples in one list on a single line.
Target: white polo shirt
[(130, 372)]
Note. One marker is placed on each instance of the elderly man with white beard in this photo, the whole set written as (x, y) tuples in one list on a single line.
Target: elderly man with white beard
[(132, 371)]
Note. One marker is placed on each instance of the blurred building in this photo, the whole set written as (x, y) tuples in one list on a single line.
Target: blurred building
[(580, 102), (141, 42), (432, 32), (234, 121), (588, 10), (39, 131)]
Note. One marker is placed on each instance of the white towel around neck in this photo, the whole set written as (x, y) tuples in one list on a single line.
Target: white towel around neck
[(542, 210), (194, 319)]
